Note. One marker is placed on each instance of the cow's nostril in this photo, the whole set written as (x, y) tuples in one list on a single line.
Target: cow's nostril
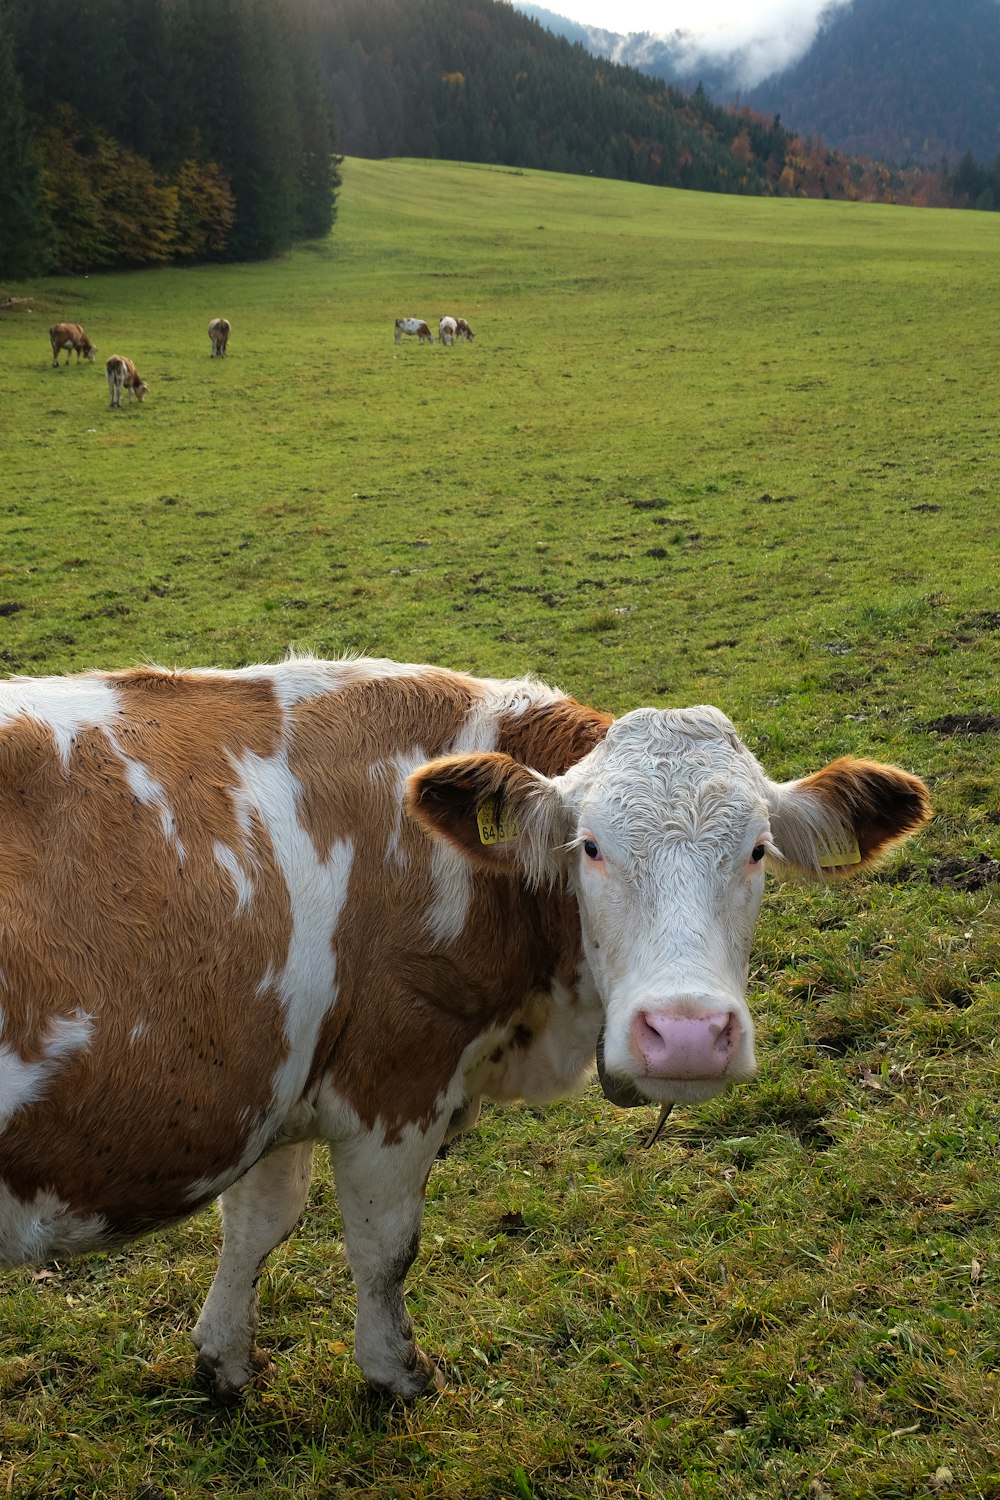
[(673, 1046)]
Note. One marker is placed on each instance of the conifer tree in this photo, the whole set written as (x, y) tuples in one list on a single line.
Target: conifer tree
[(24, 224)]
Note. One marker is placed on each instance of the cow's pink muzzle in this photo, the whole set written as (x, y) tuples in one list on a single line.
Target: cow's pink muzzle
[(690, 1047)]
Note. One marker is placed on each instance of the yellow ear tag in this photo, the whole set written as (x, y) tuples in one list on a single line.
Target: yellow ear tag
[(833, 856), (494, 830)]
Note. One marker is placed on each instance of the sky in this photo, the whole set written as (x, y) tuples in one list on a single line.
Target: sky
[(776, 30)]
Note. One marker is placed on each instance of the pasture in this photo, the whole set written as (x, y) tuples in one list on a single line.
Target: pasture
[(703, 449)]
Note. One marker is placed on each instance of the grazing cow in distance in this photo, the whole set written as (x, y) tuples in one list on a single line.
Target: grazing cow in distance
[(455, 328), (123, 375), (218, 331), (70, 336), (245, 911), (413, 326)]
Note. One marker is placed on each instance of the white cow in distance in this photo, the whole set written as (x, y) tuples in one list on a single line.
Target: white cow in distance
[(415, 327), (455, 328), (218, 331)]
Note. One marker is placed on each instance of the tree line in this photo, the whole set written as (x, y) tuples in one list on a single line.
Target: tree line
[(173, 130), (137, 133)]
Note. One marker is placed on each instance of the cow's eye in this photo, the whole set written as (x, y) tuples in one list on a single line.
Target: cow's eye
[(590, 849), (758, 854)]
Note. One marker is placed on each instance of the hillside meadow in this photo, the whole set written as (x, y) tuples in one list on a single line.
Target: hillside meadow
[(703, 449)]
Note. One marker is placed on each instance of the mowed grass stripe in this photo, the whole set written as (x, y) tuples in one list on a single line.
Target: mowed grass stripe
[(702, 449)]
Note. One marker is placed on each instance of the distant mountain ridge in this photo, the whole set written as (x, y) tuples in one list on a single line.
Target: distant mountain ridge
[(901, 80), (895, 80)]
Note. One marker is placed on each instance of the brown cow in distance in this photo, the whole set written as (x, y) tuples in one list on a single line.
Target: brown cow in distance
[(340, 901), (70, 336), (123, 375)]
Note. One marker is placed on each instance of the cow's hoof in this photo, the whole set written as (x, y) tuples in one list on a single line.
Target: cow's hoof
[(419, 1377), (227, 1382)]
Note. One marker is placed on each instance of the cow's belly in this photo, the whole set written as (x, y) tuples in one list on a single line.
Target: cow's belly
[(96, 1151)]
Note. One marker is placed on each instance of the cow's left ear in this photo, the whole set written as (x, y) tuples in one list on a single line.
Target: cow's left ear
[(495, 811), (844, 817)]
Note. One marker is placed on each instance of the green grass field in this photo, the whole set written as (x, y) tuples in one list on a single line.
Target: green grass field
[(702, 449)]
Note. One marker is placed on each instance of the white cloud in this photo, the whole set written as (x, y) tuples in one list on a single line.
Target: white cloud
[(770, 34)]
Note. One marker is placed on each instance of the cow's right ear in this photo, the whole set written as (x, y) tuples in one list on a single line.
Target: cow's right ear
[(495, 811)]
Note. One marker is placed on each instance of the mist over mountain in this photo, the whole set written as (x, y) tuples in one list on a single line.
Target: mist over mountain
[(896, 80), (901, 80), (724, 62)]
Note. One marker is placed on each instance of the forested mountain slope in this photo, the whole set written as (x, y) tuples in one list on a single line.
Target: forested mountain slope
[(903, 80), (475, 80)]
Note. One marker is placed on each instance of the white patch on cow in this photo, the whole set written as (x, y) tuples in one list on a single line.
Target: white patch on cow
[(556, 1063), (138, 1031), (44, 1229), (300, 678), (306, 985), (152, 794), (65, 705), (244, 885), (23, 1082), (380, 1191), (335, 1119), (400, 768), (451, 879)]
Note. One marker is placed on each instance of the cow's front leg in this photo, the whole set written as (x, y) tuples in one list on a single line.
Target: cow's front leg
[(258, 1212), (381, 1193)]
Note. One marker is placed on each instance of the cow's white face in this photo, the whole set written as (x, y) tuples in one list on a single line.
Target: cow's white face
[(670, 826), (663, 832)]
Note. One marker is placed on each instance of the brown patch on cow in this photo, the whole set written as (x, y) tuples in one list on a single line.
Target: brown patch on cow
[(188, 731), (967, 874), (964, 724), (551, 737), (342, 745), (880, 804), (392, 1060), (103, 916)]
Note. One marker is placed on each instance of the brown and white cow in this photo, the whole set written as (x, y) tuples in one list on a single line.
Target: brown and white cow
[(218, 331), (414, 327), (70, 336), (243, 911), (451, 329), (123, 375)]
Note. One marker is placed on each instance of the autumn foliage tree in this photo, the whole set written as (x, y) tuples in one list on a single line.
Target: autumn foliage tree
[(165, 130)]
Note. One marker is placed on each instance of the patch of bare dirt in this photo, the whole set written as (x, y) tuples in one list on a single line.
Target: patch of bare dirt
[(967, 874), (964, 724)]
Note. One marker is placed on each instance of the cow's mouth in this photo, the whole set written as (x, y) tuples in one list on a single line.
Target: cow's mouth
[(621, 1091)]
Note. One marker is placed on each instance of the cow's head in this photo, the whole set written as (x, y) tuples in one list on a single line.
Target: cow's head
[(663, 832), (89, 351), (140, 388)]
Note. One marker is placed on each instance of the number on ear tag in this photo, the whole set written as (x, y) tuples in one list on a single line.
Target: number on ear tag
[(496, 830)]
